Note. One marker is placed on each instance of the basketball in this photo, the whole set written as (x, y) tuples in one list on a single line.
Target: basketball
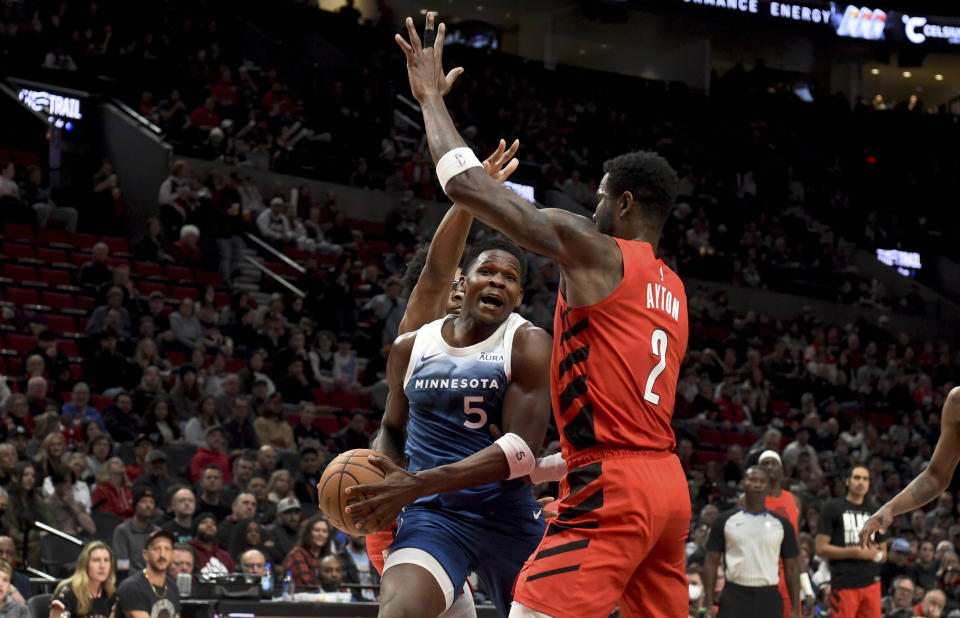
[(347, 470)]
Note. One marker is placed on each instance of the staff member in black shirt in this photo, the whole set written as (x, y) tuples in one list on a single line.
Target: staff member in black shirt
[(854, 570), (752, 540)]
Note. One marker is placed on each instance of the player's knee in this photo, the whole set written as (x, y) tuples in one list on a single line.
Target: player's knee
[(400, 608)]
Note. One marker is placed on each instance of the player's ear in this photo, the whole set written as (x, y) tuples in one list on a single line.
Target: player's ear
[(462, 283), (519, 300), (626, 204)]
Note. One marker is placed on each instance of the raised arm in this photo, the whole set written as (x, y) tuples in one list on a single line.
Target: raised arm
[(526, 412), (932, 481), (393, 426), (428, 299), (568, 238)]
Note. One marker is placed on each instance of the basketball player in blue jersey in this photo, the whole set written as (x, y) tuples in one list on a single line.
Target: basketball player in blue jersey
[(469, 508)]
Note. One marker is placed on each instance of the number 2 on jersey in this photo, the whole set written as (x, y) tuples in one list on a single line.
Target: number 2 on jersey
[(471, 412), (658, 342)]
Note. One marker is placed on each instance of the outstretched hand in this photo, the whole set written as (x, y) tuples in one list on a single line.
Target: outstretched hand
[(880, 522), (378, 504), (425, 64), (502, 163)]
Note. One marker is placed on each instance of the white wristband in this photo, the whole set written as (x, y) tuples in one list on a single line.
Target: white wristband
[(455, 162), (519, 456), (548, 469)]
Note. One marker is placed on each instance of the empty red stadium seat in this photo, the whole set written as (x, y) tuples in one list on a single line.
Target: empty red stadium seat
[(116, 245), (780, 408), (52, 256), (76, 371), (207, 277), (180, 292), (114, 261), (78, 258), (100, 402), (61, 324), (176, 358), (20, 273), (17, 231), (344, 400), (18, 251), (22, 296), (25, 158), (221, 299), (327, 423), (14, 366), (58, 300), (320, 396), (148, 287), (46, 236), (234, 365), (179, 273), (701, 458), (711, 437), (86, 302), (82, 240), (20, 343), (147, 269), (69, 347), (292, 419), (52, 276)]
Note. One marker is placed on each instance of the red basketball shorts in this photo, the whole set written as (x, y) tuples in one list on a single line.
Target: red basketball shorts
[(856, 602), (619, 537)]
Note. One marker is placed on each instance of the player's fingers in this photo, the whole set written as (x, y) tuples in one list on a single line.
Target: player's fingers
[(384, 464), (507, 171), (451, 79), (407, 50), (512, 151), (414, 37), (495, 432), (544, 501), (438, 44)]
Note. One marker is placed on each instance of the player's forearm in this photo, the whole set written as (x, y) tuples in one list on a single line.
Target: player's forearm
[(442, 135), (791, 568), (919, 492), (485, 466), (389, 441), (833, 552), (710, 564)]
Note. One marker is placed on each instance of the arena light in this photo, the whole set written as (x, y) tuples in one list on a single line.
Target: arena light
[(875, 71), (907, 74), (938, 77)]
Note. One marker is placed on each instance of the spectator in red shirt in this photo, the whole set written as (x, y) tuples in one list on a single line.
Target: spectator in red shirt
[(224, 92), (277, 102), (114, 489), (728, 409), (211, 558), (205, 117), (932, 604), (211, 453), (185, 251)]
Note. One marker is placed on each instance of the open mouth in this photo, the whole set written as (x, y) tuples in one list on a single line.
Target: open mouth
[(491, 300)]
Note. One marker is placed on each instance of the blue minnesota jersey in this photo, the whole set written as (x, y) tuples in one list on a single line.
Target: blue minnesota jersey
[(455, 394)]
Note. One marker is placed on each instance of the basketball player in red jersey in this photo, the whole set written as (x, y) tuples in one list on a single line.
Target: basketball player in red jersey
[(781, 502), (620, 334)]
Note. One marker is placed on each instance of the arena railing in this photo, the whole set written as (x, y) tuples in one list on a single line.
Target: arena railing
[(281, 280)]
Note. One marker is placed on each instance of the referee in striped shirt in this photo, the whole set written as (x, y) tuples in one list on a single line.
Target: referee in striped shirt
[(752, 540)]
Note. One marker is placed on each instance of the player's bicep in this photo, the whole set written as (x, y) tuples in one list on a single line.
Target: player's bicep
[(947, 452), (526, 407), (396, 409)]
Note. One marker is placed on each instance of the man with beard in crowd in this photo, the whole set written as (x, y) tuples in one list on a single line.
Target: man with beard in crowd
[(284, 534), (151, 592), (212, 560)]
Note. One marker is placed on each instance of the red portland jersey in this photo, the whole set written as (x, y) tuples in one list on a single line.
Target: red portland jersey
[(615, 364)]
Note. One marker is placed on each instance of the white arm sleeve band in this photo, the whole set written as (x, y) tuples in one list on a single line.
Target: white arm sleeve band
[(455, 162), (549, 468), (519, 456)]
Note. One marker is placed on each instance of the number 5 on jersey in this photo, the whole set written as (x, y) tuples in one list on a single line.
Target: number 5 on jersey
[(472, 412), (658, 343)]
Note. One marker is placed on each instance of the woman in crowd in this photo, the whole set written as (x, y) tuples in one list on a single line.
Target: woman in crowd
[(315, 542), (147, 354), (321, 358), (68, 515), (51, 451), (80, 490), (205, 418), (186, 393), (247, 534), (101, 448), (92, 589), (9, 606), (26, 505), (254, 371), (279, 486), (114, 488), (8, 463), (158, 425)]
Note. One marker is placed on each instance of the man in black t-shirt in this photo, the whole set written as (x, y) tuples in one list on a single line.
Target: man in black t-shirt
[(151, 593), (855, 571)]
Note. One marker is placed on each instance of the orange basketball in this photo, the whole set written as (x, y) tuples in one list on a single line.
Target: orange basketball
[(348, 469)]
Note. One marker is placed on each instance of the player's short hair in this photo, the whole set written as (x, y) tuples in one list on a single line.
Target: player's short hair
[(415, 266), (496, 243), (648, 177)]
